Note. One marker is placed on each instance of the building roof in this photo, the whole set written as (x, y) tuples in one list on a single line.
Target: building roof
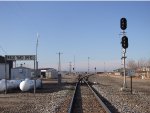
[(21, 68), (122, 69), (50, 69)]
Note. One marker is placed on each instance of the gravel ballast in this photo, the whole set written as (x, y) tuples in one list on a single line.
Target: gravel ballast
[(110, 88), (45, 100)]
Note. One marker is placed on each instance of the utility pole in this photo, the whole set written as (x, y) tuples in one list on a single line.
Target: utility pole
[(104, 67), (59, 64), (74, 68), (5, 75), (70, 67), (88, 65), (15, 63), (95, 70), (36, 54), (59, 69), (36, 64)]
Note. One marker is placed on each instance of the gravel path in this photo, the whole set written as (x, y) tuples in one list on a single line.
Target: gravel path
[(30, 103), (109, 87), (53, 96), (46, 100)]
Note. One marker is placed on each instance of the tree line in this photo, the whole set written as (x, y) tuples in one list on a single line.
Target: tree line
[(133, 64)]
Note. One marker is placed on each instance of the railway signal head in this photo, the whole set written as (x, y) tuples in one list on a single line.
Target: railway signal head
[(124, 42), (123, 23)]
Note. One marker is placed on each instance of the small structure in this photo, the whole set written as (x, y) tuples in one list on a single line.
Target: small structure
[(49, 73), (9, 65), (143, 71), (20, 73), (129, 72), (118, 71), (2, 71)]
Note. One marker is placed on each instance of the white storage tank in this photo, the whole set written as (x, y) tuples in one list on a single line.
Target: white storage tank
[(27, 84), (11, 84)]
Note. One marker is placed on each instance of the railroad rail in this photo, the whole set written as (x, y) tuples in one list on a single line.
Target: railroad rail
[(85, 100)]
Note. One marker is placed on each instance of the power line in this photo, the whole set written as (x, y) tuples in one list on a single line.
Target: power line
[(3, 50)]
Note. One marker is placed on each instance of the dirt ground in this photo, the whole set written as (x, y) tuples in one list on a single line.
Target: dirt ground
[(138, 84), (110, 87), (49, 98), (45, 100)]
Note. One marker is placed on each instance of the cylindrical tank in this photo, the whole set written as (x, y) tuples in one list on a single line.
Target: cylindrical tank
[(2, 85), (27, 84), (14, 83), (11, 84)]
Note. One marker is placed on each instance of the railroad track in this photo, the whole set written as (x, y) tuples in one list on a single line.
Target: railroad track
[(85, 100)]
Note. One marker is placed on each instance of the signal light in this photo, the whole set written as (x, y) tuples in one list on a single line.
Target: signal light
[(124, 42), (123, 23)]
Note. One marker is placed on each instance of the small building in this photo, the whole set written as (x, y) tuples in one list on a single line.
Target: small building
[(2, 71), (49, 73), (118, 71), (20, 73), (143, 71), (129, 72), (9, 65), (144, 68)]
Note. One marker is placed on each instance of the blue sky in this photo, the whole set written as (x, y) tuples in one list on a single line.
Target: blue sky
[(80, 29)]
